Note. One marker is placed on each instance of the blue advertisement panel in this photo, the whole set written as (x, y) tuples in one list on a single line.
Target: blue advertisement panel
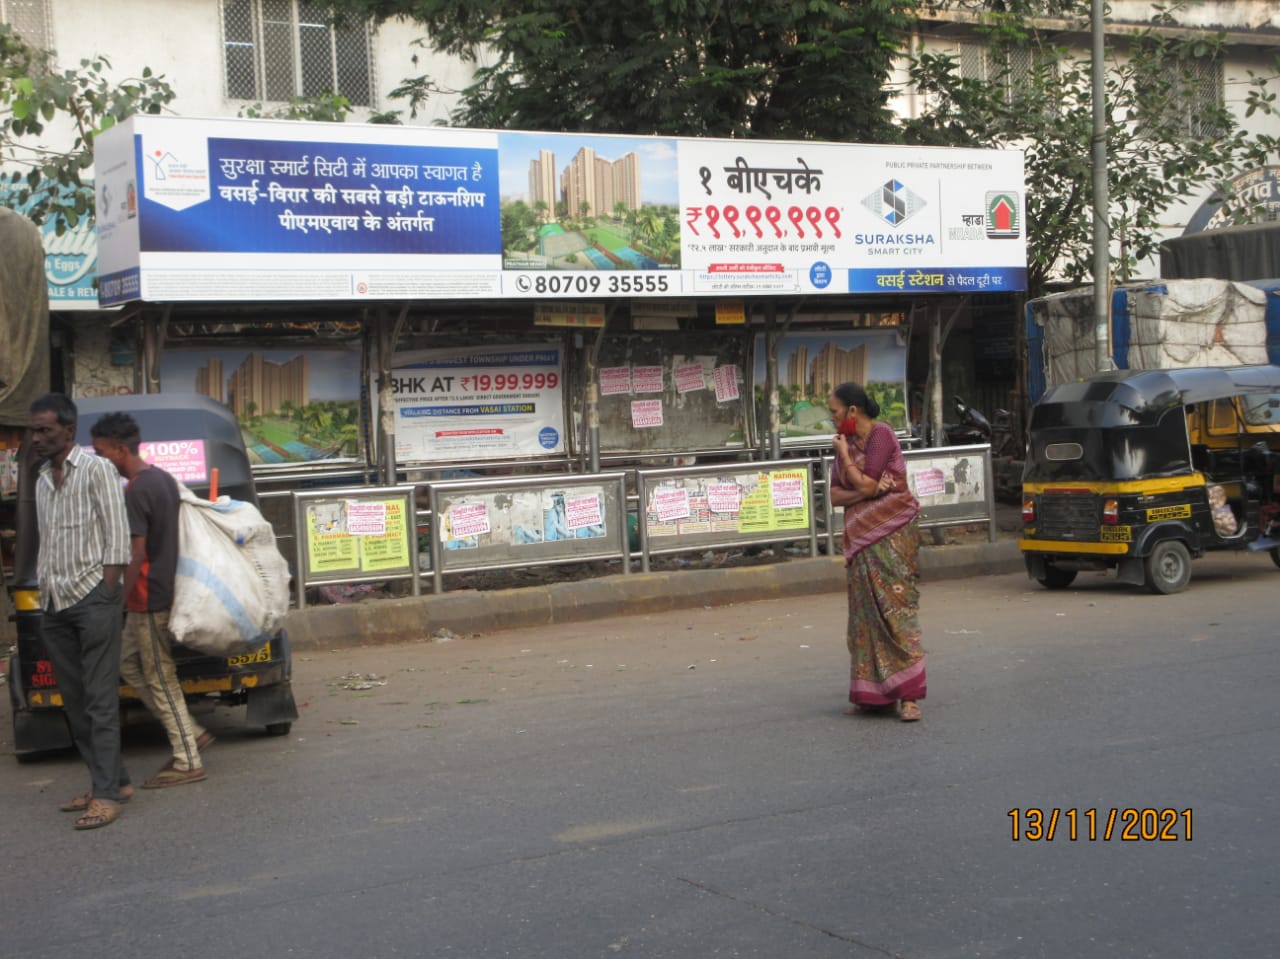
[(246, 210), (268, 196)]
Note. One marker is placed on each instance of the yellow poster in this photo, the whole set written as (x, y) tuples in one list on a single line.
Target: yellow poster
[(777, 501), (390, 550), (331, 552)]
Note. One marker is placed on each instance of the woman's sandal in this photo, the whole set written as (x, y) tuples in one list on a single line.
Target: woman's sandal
[(101, 812), (81, 803), (863, 709), (910, 711)]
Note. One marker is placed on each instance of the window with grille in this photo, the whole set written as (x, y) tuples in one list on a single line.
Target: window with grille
[(1011, 67), (1198, 96), (281, 49), (29, 20)]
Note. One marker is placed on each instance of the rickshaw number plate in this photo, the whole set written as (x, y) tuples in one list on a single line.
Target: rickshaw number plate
[(262, 655), (1116, 534), (1169, 512)]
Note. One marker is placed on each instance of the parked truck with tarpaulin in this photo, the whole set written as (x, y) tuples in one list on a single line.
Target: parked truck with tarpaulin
[(1155, 324)]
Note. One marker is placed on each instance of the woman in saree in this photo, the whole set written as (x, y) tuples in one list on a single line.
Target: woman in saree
[(881, 544)]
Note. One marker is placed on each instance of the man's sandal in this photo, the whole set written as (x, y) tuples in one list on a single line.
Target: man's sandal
[(81, 803), (101, 812), (910, 711)]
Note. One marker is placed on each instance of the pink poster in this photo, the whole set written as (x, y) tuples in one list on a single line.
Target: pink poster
[(615, 380), (689, 377), (646, 413), (671, 502), (726, 380), (647, 379), (582, 511), (468, 519), (787, 492), (184, 459)]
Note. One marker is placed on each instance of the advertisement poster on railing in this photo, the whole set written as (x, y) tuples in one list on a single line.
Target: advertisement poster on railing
[(738, 503), (229, 209), (357, 536), (479, 403), (811, 365), (522, 517), (947, 480)]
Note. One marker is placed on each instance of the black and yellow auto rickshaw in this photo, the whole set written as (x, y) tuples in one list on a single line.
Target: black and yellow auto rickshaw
[(191, 436), (1140, 471)]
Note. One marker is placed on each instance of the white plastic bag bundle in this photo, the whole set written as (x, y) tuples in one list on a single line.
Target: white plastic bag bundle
[(231, 592)]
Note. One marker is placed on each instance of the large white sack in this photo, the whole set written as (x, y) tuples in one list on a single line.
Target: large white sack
[(231, 592)]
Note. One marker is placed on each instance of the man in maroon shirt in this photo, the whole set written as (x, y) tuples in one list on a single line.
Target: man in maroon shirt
[(146, 658)]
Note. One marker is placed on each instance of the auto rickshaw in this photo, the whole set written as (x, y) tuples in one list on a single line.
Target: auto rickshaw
[(1141, 471), (192, 437)]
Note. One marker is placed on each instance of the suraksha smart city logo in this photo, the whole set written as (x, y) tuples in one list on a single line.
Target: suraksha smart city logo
[(894, 203)]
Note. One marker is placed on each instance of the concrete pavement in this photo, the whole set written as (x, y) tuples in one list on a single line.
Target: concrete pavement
[(469, 611)]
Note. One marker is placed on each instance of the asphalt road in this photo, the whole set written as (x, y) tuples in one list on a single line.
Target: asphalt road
[(683, 785)]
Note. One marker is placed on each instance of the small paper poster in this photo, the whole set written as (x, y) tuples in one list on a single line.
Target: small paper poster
[(582, 511), (615, 380), (689, 377), (726, 381), (787, 492), (366, 519), (647, 379), (671, 502), (929, 482), (468, 519), (724, 497), (646, 414)]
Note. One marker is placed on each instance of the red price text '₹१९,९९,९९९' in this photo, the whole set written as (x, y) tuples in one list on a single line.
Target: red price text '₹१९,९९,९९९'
[(772, 215)]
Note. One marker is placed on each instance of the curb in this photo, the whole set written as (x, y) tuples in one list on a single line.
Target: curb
[(418, 617)]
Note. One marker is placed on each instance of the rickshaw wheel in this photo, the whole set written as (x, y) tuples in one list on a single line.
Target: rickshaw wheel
[(1168, 568), (1055, 577)]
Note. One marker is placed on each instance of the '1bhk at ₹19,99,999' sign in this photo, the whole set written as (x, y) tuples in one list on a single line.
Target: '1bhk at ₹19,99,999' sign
[(468, 403)]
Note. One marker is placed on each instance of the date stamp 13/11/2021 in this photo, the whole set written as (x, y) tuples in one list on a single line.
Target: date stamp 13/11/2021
[(1131, 824)]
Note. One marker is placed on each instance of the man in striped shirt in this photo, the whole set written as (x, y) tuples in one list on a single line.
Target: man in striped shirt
[(84, 549)]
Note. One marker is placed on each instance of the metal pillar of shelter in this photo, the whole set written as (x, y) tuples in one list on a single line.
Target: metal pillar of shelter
[(389, 331)]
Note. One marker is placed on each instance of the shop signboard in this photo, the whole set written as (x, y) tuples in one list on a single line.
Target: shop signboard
[(242, 210), (70, 259)]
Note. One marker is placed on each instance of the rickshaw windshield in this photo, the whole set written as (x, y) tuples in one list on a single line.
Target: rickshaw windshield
[(1261, 409), (1065, 447)]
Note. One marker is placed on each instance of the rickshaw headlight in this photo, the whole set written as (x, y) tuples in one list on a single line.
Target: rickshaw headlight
[(1028, 509), (1111, 512)]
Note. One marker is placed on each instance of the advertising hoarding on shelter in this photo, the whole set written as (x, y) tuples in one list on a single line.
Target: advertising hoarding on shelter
[(242, 210)]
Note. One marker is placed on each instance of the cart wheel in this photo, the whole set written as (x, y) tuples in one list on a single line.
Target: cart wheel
[(279, 729), (1168, 567), (1056, 577)]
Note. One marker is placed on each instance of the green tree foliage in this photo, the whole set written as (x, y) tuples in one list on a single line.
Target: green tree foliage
[(1038, 97), (35, 94), (773, 69)]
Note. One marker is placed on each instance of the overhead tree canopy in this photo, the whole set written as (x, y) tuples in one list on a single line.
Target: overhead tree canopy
[(1165, 141), (772, 69), (46, 182)]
